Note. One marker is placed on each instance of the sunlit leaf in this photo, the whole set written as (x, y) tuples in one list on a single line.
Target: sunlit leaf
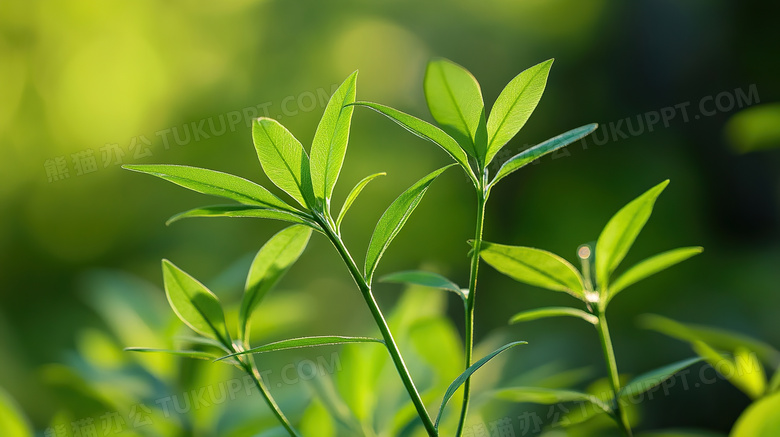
[(283, 159), (774, 383), (529, 155), (12, 421), (465, 375), (546, 396), (514, 106), (214, 183), (426, 279), (353, 195), (760, 419), (243, 211), (535, 267), (270, 264), (541, 313), (621, 231), (426, 131), (651, 266), (744, 372), (194, 304), (394, 218), (681, 433), (330, 140), (646, 381), (317, 421), (200, 355), (297, 343), (715, 337), (455, 101)]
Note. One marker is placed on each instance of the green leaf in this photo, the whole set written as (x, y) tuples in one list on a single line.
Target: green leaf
[(514, 106), (394, 218), (283, 159), (718, 338), (681, 433), (541, 313), (529, 155), (774, 383), (535, 267), (426, 131), (200, 355), (330, 140), (353, 195), (467, 374), (214, 183), (743, 372), (455, 101), (546, 396), (621, 231), (426, 279), (646, 381), (297, 343), (651, 266), (194, 304), (760, 419), (270, 264), (12, 420), (243, 211)]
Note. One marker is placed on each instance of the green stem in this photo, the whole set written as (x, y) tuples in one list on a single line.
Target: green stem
[(387, 336), (468, 338), (251, 370), (614, 378)]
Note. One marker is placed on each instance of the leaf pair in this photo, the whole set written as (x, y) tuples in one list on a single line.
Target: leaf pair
[(201, 310), (547, 270), (285, 162), (283, 159), (455, 101)]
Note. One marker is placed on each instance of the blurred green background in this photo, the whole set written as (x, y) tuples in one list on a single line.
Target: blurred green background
[(88, 85)]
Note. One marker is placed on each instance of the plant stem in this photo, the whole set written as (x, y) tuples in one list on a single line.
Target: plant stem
[(387, 336), (614, 378), (251, 370), (468, 338)]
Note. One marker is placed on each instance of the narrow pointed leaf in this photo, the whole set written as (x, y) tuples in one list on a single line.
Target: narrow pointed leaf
[(283, 159), (270, 264), (715, 337), (646, 381), (330, 140), (546, 396), (214, 183), (514, 106), (426, 279), (297, 343), (774, 382), (621, 231), (455, 101), (535, 267), (651, 266), (200, 355), (353, 195), (394, 218), (242, 211), (746, 374), (194, 304), (426, 131), (760, 419), (13, 423), (527, 156), (541, 313), (467, 374)]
